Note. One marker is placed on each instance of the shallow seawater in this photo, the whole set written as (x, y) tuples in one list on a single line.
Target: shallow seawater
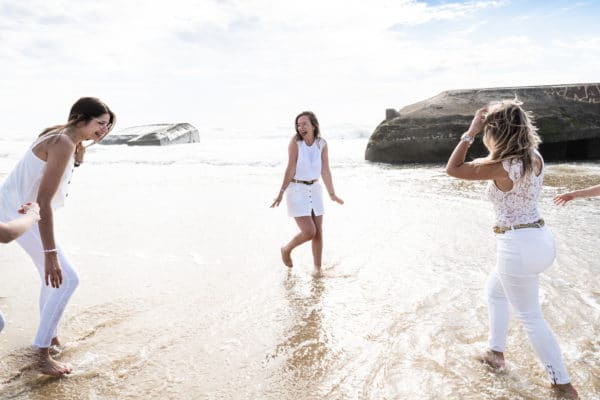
[(183, 294)]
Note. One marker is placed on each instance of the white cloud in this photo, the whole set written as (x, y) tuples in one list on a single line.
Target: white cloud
[(260, 61)]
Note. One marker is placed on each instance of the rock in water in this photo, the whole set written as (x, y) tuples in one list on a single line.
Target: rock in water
[(567, 116)]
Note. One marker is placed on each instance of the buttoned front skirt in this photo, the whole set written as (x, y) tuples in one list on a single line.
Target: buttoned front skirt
[(303, 200)]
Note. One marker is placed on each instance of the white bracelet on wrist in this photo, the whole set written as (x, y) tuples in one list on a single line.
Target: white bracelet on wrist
[(467, 138), (50, 251)]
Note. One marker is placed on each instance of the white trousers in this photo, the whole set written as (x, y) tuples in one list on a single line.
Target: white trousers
[(522, 255), (52, 300)]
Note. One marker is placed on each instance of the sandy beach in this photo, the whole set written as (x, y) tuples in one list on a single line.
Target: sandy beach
[(183, 294)]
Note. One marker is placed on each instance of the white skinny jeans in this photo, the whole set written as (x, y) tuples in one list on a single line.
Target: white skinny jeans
[(522, 255), (52, 300)]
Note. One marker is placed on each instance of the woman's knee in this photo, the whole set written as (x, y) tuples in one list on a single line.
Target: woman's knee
[(318, 234), (309, 232), (70, 278)]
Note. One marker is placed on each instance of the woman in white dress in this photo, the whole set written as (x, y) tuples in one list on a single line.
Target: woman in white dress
[(44, 174), (307, 161), (525, 246)]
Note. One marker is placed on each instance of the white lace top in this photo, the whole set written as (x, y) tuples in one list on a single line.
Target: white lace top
[(519, 205)]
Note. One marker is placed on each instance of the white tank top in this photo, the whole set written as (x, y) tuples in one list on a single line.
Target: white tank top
[(308, 165), (23, 183), (520, 204)]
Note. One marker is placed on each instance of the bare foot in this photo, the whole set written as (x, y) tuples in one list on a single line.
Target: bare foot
[(317, 272), (49, 366), (286, 257), (565, 391), (494, 359)]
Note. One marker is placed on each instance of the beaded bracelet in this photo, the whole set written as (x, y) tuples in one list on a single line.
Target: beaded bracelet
[(49, 250)]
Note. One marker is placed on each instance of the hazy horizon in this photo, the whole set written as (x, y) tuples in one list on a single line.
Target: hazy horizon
[(255, 64)]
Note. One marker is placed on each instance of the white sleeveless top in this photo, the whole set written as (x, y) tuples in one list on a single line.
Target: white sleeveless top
[(23, 183), (308, 165), (519, 205)]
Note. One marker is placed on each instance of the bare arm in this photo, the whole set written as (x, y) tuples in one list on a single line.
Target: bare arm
[(290, 171), (11, 230), (458, 168), (564, 198), (326, 174), (59, 157)]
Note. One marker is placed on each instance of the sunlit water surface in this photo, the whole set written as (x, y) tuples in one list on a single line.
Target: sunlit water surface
[(183, 294)]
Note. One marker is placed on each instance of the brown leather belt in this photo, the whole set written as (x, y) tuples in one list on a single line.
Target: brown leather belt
[(304, 182), (502, 229)]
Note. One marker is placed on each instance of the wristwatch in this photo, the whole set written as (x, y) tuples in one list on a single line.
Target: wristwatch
[(467, 138)]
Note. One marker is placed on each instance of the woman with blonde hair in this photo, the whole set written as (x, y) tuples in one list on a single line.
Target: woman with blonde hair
[(525, 246), (44, 174)]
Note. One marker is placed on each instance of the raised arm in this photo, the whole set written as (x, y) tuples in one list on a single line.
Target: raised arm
[(458, 168), (60, 153), (11, 230), (290, 171), (326, 174), (564, 198)]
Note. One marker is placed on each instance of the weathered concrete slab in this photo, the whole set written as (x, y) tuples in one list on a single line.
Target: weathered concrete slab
[(568, 118), (155, 135)]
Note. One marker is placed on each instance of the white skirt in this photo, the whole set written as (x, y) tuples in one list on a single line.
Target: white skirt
[(303, 200)]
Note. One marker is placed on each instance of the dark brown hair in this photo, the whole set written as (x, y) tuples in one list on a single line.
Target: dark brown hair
[(84, 110), (313, 120)]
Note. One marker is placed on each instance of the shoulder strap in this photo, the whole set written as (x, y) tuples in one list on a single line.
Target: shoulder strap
[(44, 138)]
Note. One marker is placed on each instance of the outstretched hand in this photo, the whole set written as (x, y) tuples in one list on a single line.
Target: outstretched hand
[(563, 198)]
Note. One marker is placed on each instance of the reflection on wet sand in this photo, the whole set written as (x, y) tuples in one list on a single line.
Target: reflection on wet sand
[(305, 348)]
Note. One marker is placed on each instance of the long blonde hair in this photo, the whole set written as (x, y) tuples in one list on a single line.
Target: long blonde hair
[(509, 133)]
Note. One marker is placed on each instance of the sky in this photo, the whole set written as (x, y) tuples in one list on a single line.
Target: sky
[(255, 64)]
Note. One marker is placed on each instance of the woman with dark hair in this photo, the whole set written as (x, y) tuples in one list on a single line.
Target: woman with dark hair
[(525, 246), (308, 160), (44, 174), (11, 230)]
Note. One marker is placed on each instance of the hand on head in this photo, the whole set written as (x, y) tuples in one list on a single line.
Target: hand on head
[(478, 121)]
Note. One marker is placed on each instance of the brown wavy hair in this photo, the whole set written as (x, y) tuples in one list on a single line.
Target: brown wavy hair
[(313, 120), (84, 110), (509, 133)]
